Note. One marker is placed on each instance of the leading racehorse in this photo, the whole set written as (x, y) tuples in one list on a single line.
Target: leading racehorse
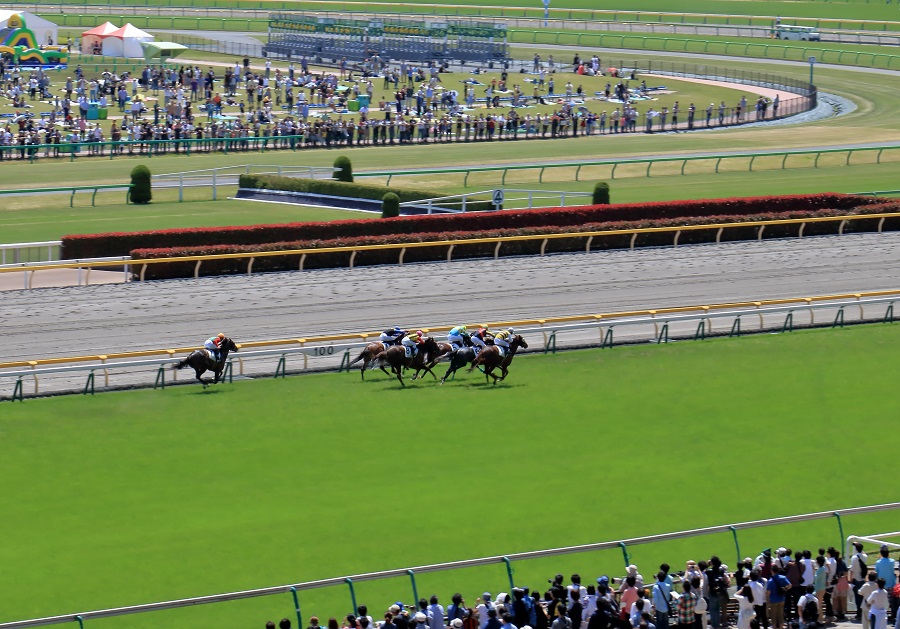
[(491, 358), (202, 361), (395, 358)]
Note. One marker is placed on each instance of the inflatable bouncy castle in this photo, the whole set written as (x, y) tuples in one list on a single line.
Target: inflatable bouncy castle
[(29, 40)]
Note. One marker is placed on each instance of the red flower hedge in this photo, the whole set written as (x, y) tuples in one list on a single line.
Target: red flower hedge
[(575, 243), (116, 244)]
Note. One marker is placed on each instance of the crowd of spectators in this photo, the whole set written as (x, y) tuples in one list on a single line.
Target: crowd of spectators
[(246, 108), (780, 590)]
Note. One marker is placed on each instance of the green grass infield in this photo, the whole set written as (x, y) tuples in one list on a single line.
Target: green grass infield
[(128, 498)]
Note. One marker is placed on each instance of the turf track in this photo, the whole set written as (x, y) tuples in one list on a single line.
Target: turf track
[(166, 494)]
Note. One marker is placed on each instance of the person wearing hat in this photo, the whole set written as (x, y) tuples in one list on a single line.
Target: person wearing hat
[(457, 337), (412, 342), (483, 608), (482, 337), (502, 339), (213, 344)]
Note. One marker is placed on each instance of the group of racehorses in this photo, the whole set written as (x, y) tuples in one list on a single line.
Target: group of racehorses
[(430, 352), (381, 355)]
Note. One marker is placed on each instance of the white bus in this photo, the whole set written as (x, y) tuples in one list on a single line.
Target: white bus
[(800, 33)]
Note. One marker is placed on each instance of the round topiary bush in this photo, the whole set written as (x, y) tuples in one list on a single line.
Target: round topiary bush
[(601, 193), (390, 205), (344, 170), (141, 191)]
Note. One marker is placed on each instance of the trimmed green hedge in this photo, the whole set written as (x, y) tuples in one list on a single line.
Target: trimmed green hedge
[(355, 190), (530, 247)]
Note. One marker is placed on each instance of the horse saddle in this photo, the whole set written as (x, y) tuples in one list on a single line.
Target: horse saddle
[(502, 351), (211, 355), (410, 351)]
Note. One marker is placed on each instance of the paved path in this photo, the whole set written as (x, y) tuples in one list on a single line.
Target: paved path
[(112, 318)]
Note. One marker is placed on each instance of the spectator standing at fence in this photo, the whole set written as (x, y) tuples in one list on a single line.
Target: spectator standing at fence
[(777, 592), (686, 606), (717, 578), (661, 596), (878, 606), (744, 597), (807, 609), (858, 571), (865, 591), (820, 585), (758, 587), (884, 568)]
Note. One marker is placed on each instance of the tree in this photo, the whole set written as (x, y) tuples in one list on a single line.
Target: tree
[(344, 170), (141, 192), (390, 205), (601, 193)]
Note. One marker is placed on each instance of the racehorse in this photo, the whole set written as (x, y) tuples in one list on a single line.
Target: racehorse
[(443, 349), (202, 362), (462, 357), (395, 357), (368, 354), (491, 359)]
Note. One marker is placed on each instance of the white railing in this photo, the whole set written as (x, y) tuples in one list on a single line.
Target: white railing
[(13, 253), (229, 175), (605, 331), (294, 588), (29, 268), (513, 199)]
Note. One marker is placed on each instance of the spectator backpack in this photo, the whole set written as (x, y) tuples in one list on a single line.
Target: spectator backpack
[(810, 611)]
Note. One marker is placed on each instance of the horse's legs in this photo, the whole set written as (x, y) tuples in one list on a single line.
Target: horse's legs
[(505, 372), (399, 371), (451, 369), (197, 372), (386, 372)]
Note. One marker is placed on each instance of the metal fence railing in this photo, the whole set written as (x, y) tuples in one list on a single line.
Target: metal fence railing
[(505, 560)]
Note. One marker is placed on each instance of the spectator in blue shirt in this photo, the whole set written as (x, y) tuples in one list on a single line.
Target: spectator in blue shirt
[(661, 597)]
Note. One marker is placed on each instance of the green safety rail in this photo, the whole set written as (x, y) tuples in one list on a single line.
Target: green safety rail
[(149, 148), (72, 190), (531, 12), (755, 49), (631, 161)]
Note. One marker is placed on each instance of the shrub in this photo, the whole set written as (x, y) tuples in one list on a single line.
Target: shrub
[(120, 244), (345, 189), (601, 193), (390, 205), (343, 169), (421, 254), (141, 192)]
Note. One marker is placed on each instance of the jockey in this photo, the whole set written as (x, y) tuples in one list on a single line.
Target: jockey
[(457, 337), (391, 336), (501, 339), (213, 344), (481, 338), (413, 341)]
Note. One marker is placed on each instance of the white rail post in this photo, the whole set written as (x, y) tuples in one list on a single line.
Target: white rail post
[(180, 187), (214, 184)]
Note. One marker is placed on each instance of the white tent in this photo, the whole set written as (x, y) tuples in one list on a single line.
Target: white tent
[(44, 30), (96, 36), (126, 42)]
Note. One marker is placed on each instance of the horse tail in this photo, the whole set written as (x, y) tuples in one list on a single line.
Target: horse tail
[(181, 364), (362, 355), (380, 361)]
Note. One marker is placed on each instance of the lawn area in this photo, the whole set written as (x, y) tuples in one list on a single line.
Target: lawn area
[(34, 219), (181, 492), (711, 11)]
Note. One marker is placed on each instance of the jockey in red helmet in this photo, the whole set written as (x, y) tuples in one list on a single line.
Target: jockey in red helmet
[(412, 341), (482, 337)]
